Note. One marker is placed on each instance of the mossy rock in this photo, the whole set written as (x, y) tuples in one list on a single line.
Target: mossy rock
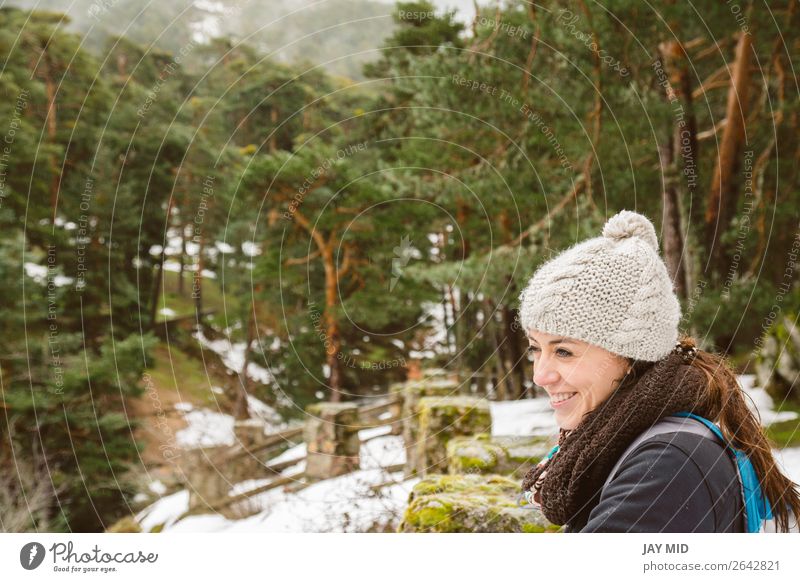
[(125, 525), (504, 455), (437, 385), (442, 419), (332, 409), (470, 503), (331, 436)]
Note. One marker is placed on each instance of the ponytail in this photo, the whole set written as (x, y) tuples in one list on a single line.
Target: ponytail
[(726, 405)]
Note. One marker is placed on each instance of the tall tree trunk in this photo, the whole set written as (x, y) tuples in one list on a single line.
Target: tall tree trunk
[(331, 325), (447, 321), (514, 351), (461, 319), (672, 239), (681, 137), (159, 272), (273, 141), (723, 194), (240, 408), (182, 221), (197, 285), (52, 129), (502, 374), (511, 337)]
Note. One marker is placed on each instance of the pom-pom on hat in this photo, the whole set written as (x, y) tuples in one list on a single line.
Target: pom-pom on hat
[(611, 291)]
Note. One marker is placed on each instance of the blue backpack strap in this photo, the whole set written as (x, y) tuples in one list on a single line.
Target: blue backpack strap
[(757, 507)]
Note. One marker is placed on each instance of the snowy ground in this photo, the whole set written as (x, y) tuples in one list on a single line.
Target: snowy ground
[(352, 503), (345, 504)]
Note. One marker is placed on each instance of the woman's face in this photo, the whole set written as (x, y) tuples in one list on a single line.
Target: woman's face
[(577, 376)]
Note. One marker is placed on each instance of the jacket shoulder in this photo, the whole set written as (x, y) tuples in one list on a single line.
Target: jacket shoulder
[(671, 482)]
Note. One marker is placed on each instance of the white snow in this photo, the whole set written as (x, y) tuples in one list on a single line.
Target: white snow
[(259, 409), (296, 452), (343, 504), (166, 510), (224, 247), (175, 267), (789, 460), (166, 311), (762, 402), (346, 503), (157, 487), (251, 249), (532, 416), (39, 274), (206, 429), (382, 452)]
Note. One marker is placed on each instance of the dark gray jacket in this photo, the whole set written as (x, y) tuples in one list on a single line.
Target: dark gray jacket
[(673, 482)]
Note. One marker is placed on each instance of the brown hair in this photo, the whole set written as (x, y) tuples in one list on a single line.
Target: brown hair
[(725, 402)]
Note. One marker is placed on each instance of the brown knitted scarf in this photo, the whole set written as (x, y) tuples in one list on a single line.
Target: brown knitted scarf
[(569, 482)]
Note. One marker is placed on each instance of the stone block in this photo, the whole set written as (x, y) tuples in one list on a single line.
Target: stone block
[(331, 437), (442, 419), (502, 455), (470, 504)]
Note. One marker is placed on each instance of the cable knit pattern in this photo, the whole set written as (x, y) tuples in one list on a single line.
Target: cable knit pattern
[(612, 291)]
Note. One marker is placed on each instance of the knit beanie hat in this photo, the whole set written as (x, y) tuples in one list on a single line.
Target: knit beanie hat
[(611, 291)]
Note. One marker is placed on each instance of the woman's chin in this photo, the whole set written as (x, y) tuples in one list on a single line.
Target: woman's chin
[(564, 421)]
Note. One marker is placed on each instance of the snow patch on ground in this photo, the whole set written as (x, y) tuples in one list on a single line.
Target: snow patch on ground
[(206, 429), (344, 504), (762, 403), (532, 416), (166, 510)]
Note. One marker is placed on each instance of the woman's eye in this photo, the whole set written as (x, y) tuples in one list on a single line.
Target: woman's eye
[(560, 351)]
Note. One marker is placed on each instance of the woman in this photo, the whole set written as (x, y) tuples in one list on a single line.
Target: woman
[(602, 320)]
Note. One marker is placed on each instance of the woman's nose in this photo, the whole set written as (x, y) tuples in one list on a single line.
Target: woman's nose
[(544, 374)]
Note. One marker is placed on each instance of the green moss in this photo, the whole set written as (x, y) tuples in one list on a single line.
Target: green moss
[(470, 503), (504, 455), (468, 454), (318, 408), (468, 463), (430, 515), (536, 528)]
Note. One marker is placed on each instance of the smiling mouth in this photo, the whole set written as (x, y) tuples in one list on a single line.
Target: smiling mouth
[(559, 399)]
